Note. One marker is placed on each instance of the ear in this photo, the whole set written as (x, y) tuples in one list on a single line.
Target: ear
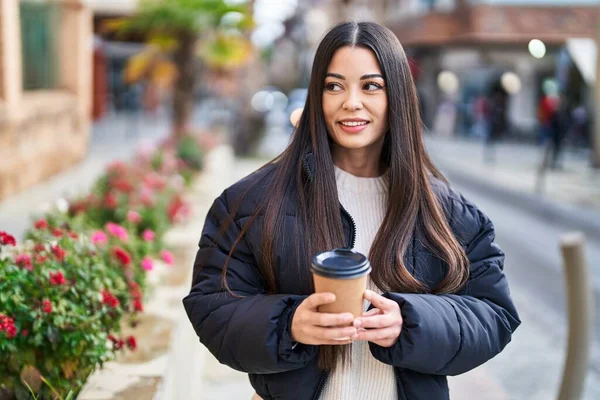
[(295, 116)]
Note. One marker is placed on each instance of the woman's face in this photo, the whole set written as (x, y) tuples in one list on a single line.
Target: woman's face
[(355, 101)]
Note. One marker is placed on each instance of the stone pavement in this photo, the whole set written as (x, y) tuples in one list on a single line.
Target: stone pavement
[(570, 196)]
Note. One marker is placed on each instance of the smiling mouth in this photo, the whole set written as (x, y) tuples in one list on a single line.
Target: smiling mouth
[(354, 123)]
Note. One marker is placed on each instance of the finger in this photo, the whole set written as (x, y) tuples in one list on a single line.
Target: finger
[(332, 333), (380, 302), (377, 321), (327, 319), (373, 311), (373, 335), (317, 299)]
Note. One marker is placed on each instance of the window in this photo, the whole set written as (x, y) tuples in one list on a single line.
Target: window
[(40, 33)]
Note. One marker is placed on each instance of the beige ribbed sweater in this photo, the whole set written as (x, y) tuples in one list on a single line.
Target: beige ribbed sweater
[(367, 379)]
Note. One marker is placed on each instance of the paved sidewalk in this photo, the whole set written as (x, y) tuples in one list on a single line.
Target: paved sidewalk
[(570, 196)]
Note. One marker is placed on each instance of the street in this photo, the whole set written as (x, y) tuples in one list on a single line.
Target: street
[(531, 366)]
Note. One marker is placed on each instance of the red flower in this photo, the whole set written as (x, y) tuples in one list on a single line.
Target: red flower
[(7, 325), (6, 239), (11, 331), (73, 235), (59, 252), (123, 185), (38, 248), (112, 338), (79, 206), (24, 261), (25, 332), (177, 209), (119, 344), (109, 299), (134, 290), (57, 278), (136, 296), (41, 224), (122, 255), (110, 201), (47, 306), (138, 305), (131, 343), (57, 232), (40, 259)]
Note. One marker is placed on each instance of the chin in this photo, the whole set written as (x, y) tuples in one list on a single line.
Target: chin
[(353, 142)]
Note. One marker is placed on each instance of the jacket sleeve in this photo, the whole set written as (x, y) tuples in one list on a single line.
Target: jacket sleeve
[(452, 334), (249, 332)]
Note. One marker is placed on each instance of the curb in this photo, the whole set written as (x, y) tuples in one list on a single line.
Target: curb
[(568, 216)]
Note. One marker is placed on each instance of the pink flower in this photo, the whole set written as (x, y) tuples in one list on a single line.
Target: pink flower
[(147, 264), (117, 231), (99, 237), (167, 257), (148, 235), (134, 217)]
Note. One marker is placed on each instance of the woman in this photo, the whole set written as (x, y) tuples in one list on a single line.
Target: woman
[(356, 174)]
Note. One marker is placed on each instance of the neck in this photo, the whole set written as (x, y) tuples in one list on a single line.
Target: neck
[(359, 162)]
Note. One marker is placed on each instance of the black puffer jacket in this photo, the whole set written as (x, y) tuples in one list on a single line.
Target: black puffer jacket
[(442, 334)]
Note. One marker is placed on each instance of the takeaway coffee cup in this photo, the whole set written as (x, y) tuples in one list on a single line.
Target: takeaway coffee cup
[(343, 272)]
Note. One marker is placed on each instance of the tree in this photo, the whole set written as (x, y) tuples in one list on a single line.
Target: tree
[(175, 28)]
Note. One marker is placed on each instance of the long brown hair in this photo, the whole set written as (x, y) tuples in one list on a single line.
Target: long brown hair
[(412, 206)]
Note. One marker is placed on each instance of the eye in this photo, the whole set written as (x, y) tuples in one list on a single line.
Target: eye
[(333, 87), (372, 86)]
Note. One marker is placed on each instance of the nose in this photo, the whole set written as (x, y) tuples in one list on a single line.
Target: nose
[(353, 102)]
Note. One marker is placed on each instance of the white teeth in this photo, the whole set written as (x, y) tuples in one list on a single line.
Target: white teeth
[(353, 123)]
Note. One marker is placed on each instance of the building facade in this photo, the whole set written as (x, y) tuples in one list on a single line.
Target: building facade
[(478, 41), (45, 89)]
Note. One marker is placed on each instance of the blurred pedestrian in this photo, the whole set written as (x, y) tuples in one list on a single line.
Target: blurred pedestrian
[(498, 124), (547, 107), (356, 174), (481, 117), (559, 126), (580, 122)]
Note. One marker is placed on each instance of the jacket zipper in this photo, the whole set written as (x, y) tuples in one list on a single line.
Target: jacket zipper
[(353, 237), (321, 386), (401, 392)]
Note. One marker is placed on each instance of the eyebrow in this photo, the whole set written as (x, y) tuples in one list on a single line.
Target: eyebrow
[(362, 78)]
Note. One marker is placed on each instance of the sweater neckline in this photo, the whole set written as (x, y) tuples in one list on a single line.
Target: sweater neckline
[(356, 184)]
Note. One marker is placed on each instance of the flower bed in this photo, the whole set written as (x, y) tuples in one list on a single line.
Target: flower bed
[(80, 273)]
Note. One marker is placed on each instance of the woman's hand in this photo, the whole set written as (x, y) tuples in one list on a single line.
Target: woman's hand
[(312, 327), (381, 325)]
